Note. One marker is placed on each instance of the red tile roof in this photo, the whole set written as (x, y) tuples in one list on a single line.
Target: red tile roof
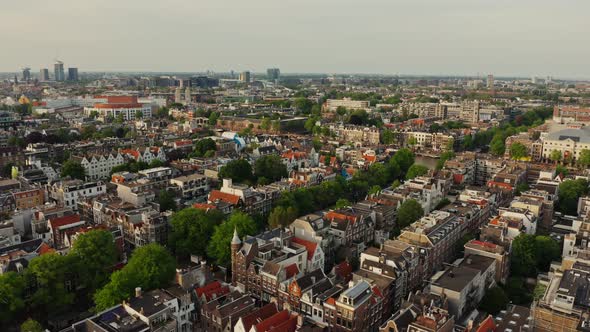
[(344, 271), (65, 220), (215, 195), (309, 246), (339, 216), (288, 326), (204, 206), (259, 315), (291, 270), (131, 152), (273, 321), (44, 248), (488, 325), (212, 290)]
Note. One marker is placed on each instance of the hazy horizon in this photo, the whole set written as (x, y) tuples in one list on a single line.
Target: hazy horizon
[(388, 37)]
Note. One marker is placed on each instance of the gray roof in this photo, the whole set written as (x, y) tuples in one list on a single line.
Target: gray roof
[(578, 135)]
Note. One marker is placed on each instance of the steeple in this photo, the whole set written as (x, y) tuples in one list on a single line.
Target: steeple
[(236, 238)]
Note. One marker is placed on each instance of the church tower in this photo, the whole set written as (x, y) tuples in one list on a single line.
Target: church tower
[(236, 244)]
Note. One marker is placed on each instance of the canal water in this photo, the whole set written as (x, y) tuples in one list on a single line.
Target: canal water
[(426, 161)]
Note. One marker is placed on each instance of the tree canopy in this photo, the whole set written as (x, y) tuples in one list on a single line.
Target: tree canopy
[(270, 167), (166, 201), (518, 150), (416, 170), (219, 245), (191, 230), (95, 252), (569, 192), (73, 169), (494, 300), (282, 216), (409, 211), (238, 170)]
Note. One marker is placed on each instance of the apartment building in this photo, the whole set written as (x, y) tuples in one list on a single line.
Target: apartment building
[(67, 193), (99, 166), (569, 142), (333, 104), (191, 187)]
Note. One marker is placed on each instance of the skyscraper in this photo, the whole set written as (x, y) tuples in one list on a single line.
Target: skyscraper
[(72, 74), (44, 75), (178, 96), (490, 81), (187, 95), (58, 69), (26, 74), (245, 76), (273, 73)]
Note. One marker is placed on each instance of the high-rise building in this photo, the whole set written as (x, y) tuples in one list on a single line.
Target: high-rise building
[(245, 76), (187, 95), (26, 74), (490, 81), (178, 95), (44, 75), (273, 73), (72, 74), (58, 69)]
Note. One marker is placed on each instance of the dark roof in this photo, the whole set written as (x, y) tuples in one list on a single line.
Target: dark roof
[(150, 302), (27, 246)]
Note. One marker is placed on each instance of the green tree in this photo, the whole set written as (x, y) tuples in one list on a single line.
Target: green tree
[(150, 267), (555, 156), (95, 252), (282, 216), (265, 124), (203, 146), (342, 203), (50, 273), (497, 145), (139, 115), (191, 230), (395, 184), (238, 170), (518, 151), (166, 201), (416, 170), (374, 190), (494, 300), (569, 192), (213, 118), (12, 287), (447, 155), (524, 259), (467, 143), (442, 203), (412, 141), (409, 211), (517, 291), (270, 167), (219, 245), (73, 169), (156, 163), (547, 250), (303, 104), (387, 137), (31, 325), (404, 158), (584, 158)]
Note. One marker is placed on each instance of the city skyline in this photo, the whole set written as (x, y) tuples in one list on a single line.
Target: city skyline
[(456, 38)]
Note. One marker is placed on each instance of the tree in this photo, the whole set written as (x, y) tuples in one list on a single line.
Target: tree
[(467, 143), (409, 211), (150, 267), (238, 170), (569, 192), (31, 325), (50, 273), (282, 216), (442, 203), (270, 167), (166, 201), (219, 245), (12, 287), (203, 146), (555, 156), (497, 146), (96, 253), (156, 163), (517, 291), (404, 158), (387, 137), (342, 203), (396, 184), (494, 300), (547, 250), (440, 163), (34, 137), (524, 260), (191, 230), (73, 169), (412, 141), (518, 151), (139, 115), (213, 118), (584, 158), (303, 104), (416, 170), (265, 124), (374, 190)]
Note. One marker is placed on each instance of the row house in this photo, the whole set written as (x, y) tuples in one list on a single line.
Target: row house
[(434, 141), (147, 154), (358, 308), (314, 228), (351, 227), (247, 199), (305, 177), (359, 135), (99, 166), (260, 263), (68, 193), (222, 314), (309, 285), (494, 251), (27, 199)]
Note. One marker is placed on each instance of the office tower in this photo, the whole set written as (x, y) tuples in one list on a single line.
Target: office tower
[(58, 69), (245, 76), (177, 95), (72, 74), (534, 80), (44, 75), (26, 74), (490, 81), (273, 73), (187, 94)]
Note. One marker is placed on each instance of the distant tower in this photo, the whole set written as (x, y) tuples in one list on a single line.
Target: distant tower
[(187, 94), (490, 81), (58, 70), (44, 75), (26, 74), (534, 80), (236, 244), (72, 74), (273, 74), (177, 95), (245, 76)]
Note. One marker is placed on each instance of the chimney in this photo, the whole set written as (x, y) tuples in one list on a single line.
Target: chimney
[(137, 291)]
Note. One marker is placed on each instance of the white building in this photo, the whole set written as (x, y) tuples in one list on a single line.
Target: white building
[(67, 193), (98, 167)]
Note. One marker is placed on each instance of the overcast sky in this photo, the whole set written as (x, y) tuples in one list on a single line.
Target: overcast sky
[(457, 37)]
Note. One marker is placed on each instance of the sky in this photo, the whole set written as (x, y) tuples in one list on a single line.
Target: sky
[(422, 37)]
